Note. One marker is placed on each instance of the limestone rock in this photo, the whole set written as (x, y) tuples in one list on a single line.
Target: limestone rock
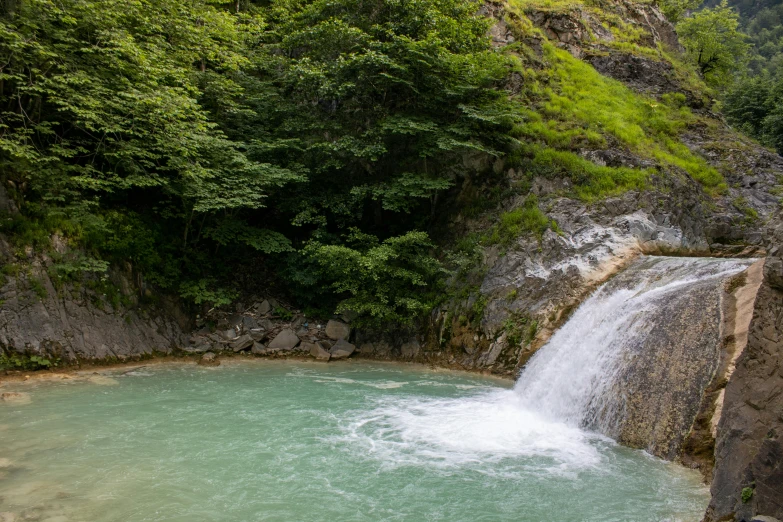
[(337, 330), (285, 340), (342, 349), (749, 442), (318, 351), (209, 359), (242, 343)]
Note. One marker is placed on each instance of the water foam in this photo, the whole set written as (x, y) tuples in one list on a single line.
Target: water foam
[(451, 432)]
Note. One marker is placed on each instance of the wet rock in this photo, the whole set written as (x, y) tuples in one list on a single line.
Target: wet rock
[(318, 351), (15, 397), (285, 340), (242, 343), (337, 330), (342, 349), (209, 359)]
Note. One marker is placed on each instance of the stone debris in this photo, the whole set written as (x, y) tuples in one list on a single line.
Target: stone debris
[(337, 330), (342, 349)]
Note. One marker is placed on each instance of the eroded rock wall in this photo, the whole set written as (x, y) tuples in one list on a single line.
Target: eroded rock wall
[(748, 477), (72, 323)]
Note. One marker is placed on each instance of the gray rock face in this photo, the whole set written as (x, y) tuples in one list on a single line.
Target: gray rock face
[(749, 443), (285, 340), (337, 330), (258, 349), (342, 349), (66, 324), (410, 349), (201, 347), (264, 307), (242, 343)]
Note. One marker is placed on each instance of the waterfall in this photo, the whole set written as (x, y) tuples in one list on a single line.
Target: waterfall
[(582, 376)]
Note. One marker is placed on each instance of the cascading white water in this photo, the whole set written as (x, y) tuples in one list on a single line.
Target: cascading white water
[(574, 377)]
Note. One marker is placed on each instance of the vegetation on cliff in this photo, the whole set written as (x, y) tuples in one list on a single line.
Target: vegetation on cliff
[(311, 140)]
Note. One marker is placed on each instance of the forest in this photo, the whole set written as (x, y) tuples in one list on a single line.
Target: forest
[(312, 142)]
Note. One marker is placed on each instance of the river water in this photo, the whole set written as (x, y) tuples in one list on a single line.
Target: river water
[(299, 441)]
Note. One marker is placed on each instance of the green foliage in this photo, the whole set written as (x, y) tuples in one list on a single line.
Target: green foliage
[(187, 138), (591, 181), (746, 495), (385, 282), (282, 313), (36, 285), (755, 106), (526, 219), (207, 292), (14, 361), (714, 43), (580, 108), (675, 9)]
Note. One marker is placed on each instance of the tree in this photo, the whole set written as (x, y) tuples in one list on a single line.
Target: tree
[(675, 9), (714, 43)]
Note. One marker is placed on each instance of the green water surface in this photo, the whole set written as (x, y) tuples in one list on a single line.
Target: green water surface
[(298, 441)]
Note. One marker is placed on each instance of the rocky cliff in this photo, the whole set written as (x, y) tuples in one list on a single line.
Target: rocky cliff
[(748, 478)]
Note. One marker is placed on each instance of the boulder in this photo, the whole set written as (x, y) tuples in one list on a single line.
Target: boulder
[(258, 334), (258, 349), (209, 359), (285, 340), (264, 307), (248, 323), (337, 330), (318, 351), (242, 343), (342, 349), (230, 334)]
